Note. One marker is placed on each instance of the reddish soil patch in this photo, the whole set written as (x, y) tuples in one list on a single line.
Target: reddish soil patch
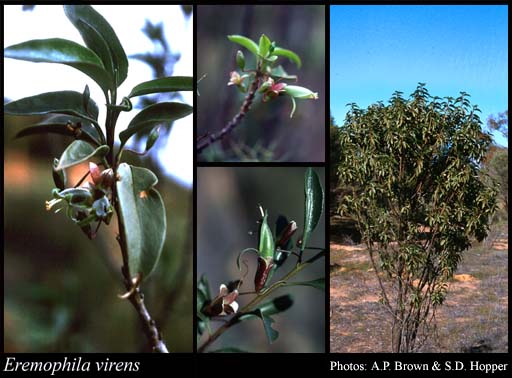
[(474, 313)]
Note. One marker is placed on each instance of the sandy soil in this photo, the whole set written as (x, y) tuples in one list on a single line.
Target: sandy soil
[(473, 318)]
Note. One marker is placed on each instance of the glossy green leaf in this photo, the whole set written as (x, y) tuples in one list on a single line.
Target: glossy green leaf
[(63, 102), (248, 43), (266, 241), (313, 204), (300, 92), (317, 284), (264, 46), (165, 84), (154, 115), (80, 151), (59, 124), (229, 350), (152, 138), (143, 217), (57, 50), (99, 36), (288, 54)]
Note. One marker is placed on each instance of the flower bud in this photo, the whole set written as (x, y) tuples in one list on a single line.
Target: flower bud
[(107, 178), (240, 60)]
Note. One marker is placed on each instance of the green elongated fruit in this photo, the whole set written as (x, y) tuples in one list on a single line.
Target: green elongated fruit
[(266, 243), (266, 254)]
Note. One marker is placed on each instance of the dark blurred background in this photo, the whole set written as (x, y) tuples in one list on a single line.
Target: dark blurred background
[(227, 211), (60, 288), (267, 133)]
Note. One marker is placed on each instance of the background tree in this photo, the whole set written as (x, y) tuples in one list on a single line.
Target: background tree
[(420, 200), (335, 152), (499, 122), (497, 159)]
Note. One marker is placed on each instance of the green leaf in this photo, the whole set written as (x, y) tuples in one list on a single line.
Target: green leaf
[(264, 46), (276, 305), (63, 102), (279, 72), (99, 36), (143, 218), (265, 310), (313, 204), (317, 284), (300, 92), (78, 152), (58, 124), (288, 54), (152, 138), (153, 115), (229, 350), (267, 321), (203, 324), (166, 84), (203, 291), (248, 43), (57, 50)]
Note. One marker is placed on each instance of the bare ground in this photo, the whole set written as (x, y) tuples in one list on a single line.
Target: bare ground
[(473, 318)]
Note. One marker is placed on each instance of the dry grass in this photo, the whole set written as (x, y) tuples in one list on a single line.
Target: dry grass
[(474, 316)]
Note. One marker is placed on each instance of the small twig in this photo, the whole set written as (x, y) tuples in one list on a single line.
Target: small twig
[(206, 140)]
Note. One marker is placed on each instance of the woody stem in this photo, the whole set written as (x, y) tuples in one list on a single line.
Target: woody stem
[(207, 140)]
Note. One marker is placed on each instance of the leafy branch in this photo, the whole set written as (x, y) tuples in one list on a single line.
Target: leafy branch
[(118, 187), (266, 78), (271, 256)]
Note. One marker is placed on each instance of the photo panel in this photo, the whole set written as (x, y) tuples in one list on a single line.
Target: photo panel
[(98, 169), (261, 272), (419, 182), (261, 88)]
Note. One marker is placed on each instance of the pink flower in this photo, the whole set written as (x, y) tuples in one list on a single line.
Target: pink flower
[(236, 79), (272, 89)]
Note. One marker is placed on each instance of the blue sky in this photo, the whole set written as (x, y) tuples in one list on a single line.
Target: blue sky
[(376, 50)]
